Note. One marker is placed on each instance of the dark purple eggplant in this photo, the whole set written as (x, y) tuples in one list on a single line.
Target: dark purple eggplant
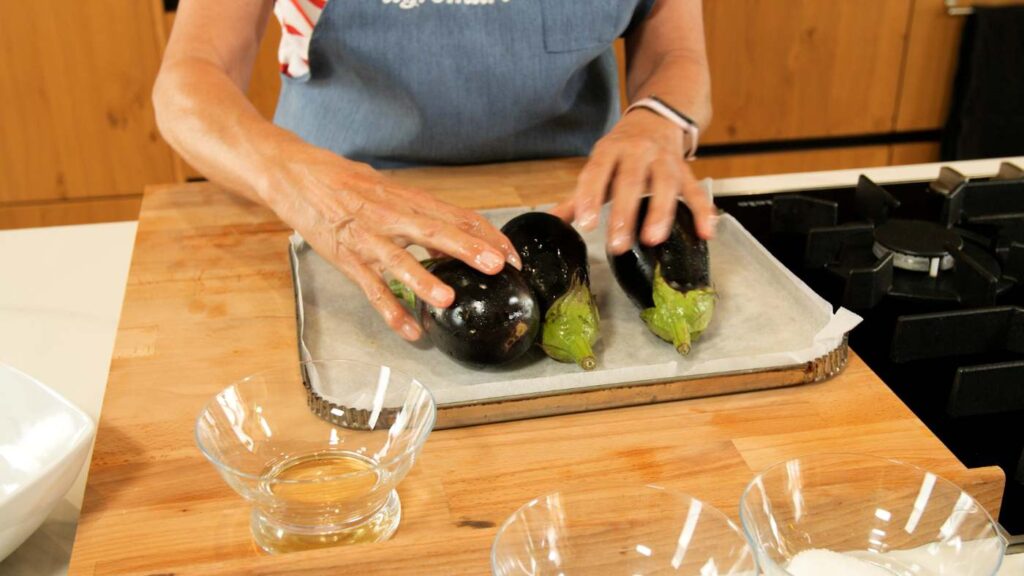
[(555, 265), (494, 318), (553, 254), (670, 282)]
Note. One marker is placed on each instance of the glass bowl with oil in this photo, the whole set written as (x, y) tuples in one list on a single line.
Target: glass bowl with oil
[(318, 449), (628, 530)]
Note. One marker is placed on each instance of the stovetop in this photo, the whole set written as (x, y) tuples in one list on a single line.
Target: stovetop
[(936, 268)]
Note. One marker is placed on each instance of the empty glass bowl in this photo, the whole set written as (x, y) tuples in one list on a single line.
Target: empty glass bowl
[(843, 514), (614, 530), (317, 449)]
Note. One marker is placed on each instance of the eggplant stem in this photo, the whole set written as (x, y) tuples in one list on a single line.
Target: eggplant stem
[(678, 317), (571, 327), (402, 292), (667, 324), (571, 349)]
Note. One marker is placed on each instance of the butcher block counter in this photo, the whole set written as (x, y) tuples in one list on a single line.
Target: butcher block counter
[(209, 300)]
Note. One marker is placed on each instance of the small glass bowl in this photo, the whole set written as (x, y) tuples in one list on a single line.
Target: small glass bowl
[(619, 530), (319, 469), (818, 514)]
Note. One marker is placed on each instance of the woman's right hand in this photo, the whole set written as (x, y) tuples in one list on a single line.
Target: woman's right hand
[(361, 222), (349, 213)]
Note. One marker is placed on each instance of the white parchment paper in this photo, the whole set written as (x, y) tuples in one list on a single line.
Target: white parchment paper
[(765, 318)]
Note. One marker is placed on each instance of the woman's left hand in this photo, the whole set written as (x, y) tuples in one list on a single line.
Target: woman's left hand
[(643, 153)]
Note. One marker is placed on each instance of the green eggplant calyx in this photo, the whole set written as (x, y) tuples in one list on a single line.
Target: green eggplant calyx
[(571, 327), (403, 293), (678, 317)]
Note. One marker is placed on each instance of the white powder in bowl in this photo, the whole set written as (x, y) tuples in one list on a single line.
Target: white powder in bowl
[(818, 562)]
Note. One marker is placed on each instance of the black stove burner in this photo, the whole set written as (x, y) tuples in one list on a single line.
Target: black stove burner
[(877, 256), (917, 245), (974, 281), (993, 199), (917, 238), (937, 271)]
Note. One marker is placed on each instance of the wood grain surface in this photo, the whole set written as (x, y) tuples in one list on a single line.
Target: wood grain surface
[(209, 300), (802, 68), (914, 153), (72, 211), (75, 81)]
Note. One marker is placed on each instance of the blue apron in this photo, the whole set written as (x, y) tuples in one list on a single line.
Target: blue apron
[(411, 82)]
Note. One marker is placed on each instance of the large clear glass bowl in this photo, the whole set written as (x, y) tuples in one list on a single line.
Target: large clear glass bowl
[(850, 514), (319, 469), (618, 530)]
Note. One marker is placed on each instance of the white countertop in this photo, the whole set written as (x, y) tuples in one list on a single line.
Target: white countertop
[(1012, 566), (60, 300), (835, 178)]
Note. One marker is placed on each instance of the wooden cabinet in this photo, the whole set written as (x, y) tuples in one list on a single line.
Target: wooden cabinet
[(265, 83), (79, 140), (75, 81), (914, 153), (786, 69), (933, 43), (78, 211)]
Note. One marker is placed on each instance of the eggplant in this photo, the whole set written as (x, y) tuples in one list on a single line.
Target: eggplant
[(494, 319), (670, 282), (555, 264)]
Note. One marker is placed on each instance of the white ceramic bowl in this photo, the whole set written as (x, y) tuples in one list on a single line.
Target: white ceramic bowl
[(43, 443)]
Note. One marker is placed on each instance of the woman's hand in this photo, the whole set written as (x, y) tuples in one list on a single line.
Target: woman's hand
[(361, 222), (349, 213), (643, 153)]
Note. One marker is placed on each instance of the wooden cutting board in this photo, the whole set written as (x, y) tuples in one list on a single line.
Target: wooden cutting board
[(209, 300)]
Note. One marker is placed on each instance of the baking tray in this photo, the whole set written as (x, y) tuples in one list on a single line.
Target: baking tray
[(770, 330)]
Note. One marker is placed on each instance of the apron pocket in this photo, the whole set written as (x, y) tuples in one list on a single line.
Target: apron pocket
[(571, 25)]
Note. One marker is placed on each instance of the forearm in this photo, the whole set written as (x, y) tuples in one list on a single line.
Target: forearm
[(644, 153), (207, 119), (668, 58), (682, 80)]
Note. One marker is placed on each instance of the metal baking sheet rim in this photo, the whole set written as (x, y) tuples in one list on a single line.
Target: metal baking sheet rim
[(593, 398), (509, 408)]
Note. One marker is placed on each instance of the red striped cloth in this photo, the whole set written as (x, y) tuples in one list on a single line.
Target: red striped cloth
[(297, 18)]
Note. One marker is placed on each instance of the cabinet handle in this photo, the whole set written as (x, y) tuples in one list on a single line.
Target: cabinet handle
[(954, 9)]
